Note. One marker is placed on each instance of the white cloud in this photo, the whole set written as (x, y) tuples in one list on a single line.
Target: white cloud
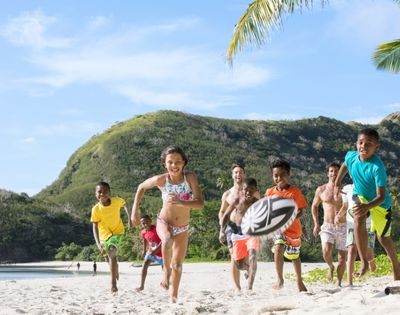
[(28, 140), (369, 120), (369, 22), (98, 22), (272, 116), (394, 106), (29, 28)]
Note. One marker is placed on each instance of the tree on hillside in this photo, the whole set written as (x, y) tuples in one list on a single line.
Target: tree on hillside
[(262, 16)]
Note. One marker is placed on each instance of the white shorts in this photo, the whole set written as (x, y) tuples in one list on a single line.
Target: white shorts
[(334, 234)]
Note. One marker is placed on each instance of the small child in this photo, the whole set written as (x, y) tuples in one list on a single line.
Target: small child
[(371, 197), (348, 204), (108, 228), (244, 248), (153, 252), (288, 243)]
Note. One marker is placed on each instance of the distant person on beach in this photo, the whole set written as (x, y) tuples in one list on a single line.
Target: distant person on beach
[(94, 268), (228, 198), (348, 204), (108, 227), (244, 248), (180, 192), (151, 247), (288, 243), (78, 266), (333, 229), (371, 198)]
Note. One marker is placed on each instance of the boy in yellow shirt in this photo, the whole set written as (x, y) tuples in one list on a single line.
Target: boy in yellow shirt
[(108, 227)]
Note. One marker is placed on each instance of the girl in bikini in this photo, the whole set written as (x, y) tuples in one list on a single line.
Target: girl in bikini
[(180, 192)]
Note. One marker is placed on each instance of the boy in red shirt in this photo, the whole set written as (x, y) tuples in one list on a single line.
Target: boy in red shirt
[(151, 247), (288, 243)]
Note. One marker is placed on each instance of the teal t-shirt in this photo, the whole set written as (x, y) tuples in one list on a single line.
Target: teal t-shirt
[(367, 176)]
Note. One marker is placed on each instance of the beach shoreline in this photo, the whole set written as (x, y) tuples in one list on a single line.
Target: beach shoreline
[(206, 288)]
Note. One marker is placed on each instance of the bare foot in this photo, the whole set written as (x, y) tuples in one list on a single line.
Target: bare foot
[(165, 281), (278, 285), (301, 286), (330, 273), (139, 289), (174, 299), (114, 290), (372, 265), (363, 270)]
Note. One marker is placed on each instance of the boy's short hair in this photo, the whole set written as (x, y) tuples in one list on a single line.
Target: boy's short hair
[(237, 164), (369, 132), (145, 216), (280, 163), (104, 184), (333, 164), (250, 181)]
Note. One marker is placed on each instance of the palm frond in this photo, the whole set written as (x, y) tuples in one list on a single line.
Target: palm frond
[(387, 56), (260, 18)]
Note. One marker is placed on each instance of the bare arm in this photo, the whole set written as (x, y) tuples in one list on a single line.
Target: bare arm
[(144, 248), (314, 208), (197, 201), (224, 206), (338, 182), (128, 216), (342, 211), (225, 219), (96, 237), (146, 185)]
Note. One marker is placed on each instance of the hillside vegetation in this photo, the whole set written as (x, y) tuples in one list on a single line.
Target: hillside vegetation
[(129, 152)]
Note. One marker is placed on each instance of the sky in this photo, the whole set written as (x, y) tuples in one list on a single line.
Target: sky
[(71, 69)]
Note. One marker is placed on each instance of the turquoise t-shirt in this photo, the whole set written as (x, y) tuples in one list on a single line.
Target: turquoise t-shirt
[(367, 176)]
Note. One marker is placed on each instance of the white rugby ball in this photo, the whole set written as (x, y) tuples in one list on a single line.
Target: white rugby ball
[(269, 216)]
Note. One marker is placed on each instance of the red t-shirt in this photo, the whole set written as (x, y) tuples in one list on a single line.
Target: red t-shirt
[(295, 230), (152, 238)]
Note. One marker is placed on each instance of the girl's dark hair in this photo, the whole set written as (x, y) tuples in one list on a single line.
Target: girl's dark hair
[(172, 149), (281, 163), (146, 217), (104, 184)]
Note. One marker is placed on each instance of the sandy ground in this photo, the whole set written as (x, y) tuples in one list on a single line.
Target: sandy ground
[(206, 288)]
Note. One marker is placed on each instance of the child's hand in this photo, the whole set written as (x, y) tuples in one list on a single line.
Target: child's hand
[(360, 209), (101, 248), (173, 199), (222, 238)]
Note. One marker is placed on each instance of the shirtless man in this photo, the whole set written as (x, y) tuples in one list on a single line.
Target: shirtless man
[(244, 247), (333, 229), (229, 197)]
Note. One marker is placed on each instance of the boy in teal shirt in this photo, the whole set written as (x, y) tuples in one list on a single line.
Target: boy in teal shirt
[(371, 197)]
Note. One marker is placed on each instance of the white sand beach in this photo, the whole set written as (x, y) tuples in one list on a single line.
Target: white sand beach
[(206, 288)]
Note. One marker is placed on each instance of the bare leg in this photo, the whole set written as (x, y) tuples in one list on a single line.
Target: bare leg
[(361, 237), (299, 279), (235, 274), (351, 257), (371, 259), (113, 264), (327, 254), (388, 244), (146, 265), (341, 267), (252, 269), (179, 251), (278, 258), (166, 248)]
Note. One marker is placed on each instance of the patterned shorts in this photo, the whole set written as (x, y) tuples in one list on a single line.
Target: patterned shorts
[(292, 246), (334, 234)]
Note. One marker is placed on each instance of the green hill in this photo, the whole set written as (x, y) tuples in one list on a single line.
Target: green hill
[(129, 152)]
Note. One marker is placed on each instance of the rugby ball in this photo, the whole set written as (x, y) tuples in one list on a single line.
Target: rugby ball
[(269, 216)]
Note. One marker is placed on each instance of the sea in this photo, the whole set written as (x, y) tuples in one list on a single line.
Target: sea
[(15, 272)]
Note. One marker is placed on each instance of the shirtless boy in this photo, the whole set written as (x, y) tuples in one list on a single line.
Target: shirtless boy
[(244, 248), (333, 229)]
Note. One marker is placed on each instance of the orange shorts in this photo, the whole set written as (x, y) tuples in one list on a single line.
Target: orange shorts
[(242, 244)]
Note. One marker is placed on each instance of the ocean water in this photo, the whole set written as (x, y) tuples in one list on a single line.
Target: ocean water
[(12, 272)]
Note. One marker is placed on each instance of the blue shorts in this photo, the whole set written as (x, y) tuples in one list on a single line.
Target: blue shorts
[(153, 259)]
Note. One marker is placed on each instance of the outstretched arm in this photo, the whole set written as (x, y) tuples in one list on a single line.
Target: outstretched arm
[(147, 184)]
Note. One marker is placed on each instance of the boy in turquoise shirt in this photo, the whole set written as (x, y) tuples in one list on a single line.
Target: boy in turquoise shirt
[(371, 197)]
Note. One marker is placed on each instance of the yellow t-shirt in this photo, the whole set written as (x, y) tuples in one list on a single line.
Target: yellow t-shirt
[(109, 218)]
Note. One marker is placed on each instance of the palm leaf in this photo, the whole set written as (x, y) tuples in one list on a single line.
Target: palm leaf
[(260, 18), (387, 56)]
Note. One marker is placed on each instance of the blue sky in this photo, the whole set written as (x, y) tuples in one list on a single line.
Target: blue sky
[(71, 69)]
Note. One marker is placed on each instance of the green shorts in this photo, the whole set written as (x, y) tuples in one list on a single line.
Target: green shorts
[(351, 241), (381, 219), (113, 240)]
